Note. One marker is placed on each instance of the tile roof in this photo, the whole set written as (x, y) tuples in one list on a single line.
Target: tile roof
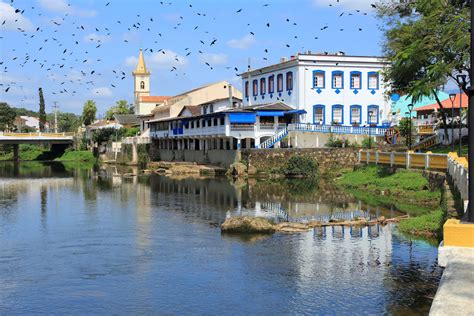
[(154, 98), (446, 103), (127, 119)]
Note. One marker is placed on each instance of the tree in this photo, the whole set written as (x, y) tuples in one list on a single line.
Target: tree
[(68, 122), (121, 107), (42, 111), (426, 44), (7, 117), (405, 129), (88, 112)]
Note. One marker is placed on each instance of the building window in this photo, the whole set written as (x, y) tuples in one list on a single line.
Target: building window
[(356, 77), (280, 83), (246, 89), (262, 86), (373, 78), (271, 84), (289, 80), (373, 114), (222, 120), (211, 108), (255, 87), (318, 114), (337, 80), (318, 79), (197, 123), (142, 85), (356, 117), (337, 114)]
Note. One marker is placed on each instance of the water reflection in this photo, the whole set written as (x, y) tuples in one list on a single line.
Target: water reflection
[(86, 241)]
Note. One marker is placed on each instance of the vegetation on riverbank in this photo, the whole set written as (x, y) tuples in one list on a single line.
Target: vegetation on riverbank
[(27, 152), (77, 155), (408, 191)]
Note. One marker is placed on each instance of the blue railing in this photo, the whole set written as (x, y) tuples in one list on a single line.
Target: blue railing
[(338, 129)]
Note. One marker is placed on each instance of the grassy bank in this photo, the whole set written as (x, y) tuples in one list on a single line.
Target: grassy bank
[(27, 153), (77, 155), (408, 191)]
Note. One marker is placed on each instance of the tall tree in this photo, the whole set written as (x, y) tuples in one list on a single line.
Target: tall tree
[(120, 107), (7, 117), (42, 111), (88, 112), (426, 44)]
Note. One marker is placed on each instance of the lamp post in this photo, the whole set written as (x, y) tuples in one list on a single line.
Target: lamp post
[(369, 121), (452, 97), (462, 85), (410, 109), (470, 123)]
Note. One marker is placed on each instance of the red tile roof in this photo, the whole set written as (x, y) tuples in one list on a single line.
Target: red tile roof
[(446, 104), (154, 98)]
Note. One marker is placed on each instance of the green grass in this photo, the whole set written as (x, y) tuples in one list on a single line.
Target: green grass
[(27, 153), (447, 149), (77, 155), (406, 190)]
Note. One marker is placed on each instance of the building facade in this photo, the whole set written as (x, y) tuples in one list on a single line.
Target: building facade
[(332, 89)]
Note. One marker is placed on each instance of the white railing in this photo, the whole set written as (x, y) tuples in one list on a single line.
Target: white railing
[(458, 171), (274, 138), (136, 140), (338, 129)]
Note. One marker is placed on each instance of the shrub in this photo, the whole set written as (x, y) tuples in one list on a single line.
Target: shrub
[(366, 142), (336, 142), (301, 166)]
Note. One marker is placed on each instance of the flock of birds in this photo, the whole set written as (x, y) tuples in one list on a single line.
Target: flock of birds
[(73, 69)]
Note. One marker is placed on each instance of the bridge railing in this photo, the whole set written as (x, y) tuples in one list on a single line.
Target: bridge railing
[(38, 134)]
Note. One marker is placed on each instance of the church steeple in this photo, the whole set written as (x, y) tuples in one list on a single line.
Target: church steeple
[(141, 77), (141, 67)]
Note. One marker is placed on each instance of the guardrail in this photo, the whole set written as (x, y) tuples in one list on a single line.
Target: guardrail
[(458, 171), (24, 135), (136, 140)]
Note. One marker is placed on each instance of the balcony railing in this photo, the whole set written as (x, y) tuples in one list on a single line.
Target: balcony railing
[(338, 129)]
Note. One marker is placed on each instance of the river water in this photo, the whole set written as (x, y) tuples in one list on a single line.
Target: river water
[(83, 241)]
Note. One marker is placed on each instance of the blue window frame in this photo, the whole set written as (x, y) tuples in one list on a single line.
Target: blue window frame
[(319, 114), (374, 118), (289, 80), (337, 79), (356, 114), (373, 80), (280, 82), (262, 86), (319, 79), (337, 114), (271, 84), (255, 87), (356, 80)]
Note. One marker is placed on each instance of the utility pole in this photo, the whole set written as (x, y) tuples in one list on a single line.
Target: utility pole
[(55, 107)]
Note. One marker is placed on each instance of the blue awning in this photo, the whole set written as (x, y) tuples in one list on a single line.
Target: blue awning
[(242, 118), (270, 113), (296, 112)]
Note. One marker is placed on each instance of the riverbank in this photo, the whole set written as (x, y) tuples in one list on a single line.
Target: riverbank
[(29, 152), (409, 191)]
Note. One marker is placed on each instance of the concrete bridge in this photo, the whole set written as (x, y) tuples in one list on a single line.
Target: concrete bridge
[(49, 139)]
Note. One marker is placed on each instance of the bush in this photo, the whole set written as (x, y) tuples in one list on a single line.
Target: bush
[(336, 142), (301, 166), (130, 132), (366, 143)]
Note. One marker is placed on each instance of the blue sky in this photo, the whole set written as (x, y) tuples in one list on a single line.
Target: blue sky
[(81, 49)]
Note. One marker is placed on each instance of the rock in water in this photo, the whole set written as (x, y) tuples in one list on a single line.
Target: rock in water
[(247, 225)]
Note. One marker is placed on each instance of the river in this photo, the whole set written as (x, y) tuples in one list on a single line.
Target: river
[(83, 241)]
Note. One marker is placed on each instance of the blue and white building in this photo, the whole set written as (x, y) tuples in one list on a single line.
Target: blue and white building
[(332, 89)]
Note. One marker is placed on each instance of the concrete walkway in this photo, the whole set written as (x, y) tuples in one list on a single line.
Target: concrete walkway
[(455, 295)]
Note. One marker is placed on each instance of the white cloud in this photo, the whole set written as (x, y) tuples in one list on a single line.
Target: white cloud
[(13, 20), (102, 92), (158, 60), (62, 6), (346, 4), (213, 59), (96, 38), (243, 43)]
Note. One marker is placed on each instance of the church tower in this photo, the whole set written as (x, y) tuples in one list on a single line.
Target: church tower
[(141, 77)]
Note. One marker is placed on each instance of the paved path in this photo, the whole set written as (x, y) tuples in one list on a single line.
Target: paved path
[(455, 295)]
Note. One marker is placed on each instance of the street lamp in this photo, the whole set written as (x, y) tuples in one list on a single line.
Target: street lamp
[(452, 97), (370, 121), (462, 86), (410, 109)]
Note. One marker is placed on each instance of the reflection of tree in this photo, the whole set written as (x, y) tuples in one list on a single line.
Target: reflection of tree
[(44, 203)]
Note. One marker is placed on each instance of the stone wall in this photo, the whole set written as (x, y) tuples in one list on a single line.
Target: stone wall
[(327, 158), (213, 157)]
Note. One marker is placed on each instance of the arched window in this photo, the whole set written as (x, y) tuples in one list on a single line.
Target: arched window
[(271, 84), (318, 79), (373, 80), (338, 114), (255, 87), (280, 82), (142, 84), (262, 86), (337, 79), (356, 80), (246, 89), (356, 114), (289, 80), (373, 114), (319, 114)]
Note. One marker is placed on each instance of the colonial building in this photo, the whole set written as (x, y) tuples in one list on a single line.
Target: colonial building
[(333, 89)]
